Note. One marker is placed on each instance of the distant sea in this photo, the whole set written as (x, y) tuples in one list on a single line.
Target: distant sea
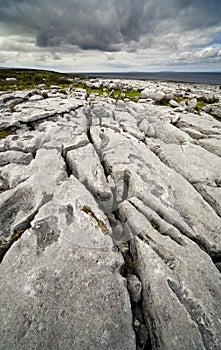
[(186, 77)]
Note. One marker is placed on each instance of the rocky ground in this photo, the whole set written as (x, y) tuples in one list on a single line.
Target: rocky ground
[(110, 216)]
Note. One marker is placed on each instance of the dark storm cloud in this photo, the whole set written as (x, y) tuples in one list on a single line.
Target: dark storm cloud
[(105, 25)]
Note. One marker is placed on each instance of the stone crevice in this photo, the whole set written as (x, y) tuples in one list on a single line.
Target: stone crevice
[(194, 184), (164, 228), (195, 314), (20, 229), (143, 341)]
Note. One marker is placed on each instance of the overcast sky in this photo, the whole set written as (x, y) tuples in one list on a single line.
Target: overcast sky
[(111, 35)]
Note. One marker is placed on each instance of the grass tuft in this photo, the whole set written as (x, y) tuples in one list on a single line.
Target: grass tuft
[(100, 223), (163, 102), (5, 133)]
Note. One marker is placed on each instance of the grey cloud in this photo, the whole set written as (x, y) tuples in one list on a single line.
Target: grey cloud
[(105, 25)]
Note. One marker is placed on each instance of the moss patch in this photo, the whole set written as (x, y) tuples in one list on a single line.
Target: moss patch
[(100, 223), (155, 225), (163, 102), (5, 245), (200, 105), (5, 133), (203, 101)]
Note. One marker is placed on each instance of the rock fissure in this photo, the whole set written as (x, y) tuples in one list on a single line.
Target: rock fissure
[(20, 230), (67, 166), (134, 286), (159, 224), (196, 185), (198, 316)]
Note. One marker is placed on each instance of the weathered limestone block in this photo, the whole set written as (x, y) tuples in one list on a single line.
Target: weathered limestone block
[(67, 291)]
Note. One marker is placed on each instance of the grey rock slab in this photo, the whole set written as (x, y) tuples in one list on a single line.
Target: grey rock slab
[(35, 98), (180, 284), (198, 166), (153, 94), (168, 133), (56, 87), (146, 174), (30, 111), (65, 295), (211, 194), (8, 97), (133, 130), (212, 145), (86, 165), (192, 104), (73, 204), (102, 111), (24, 141), (17, 157), (14, 174), (193, 162), (57, 135), (134, 287), (124, 116), (204, 123), (76, 142), (194, 134), (3, 184), (181, 293), (174, 103), (8, 120), (18, 205), (138, 172), (48, 169), (144, 126), (107, 123), (214, 109)]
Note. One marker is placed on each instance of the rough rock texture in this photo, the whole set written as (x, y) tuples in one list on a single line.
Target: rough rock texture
[(59, 294), (110, 217)]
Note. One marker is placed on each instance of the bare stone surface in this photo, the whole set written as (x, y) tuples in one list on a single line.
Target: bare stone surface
[(67, 292), (110, 217)]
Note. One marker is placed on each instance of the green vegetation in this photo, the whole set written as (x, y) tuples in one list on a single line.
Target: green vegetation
[(30, 78), (203, 101), (5, 245), (14, 104), (179, 98), (208, 100), (133, 95), (163, 102), (63, 91), (91, 90), (117, 94), (155, 225), (200, 105), (5, 133), (100, 223), (44, 94)]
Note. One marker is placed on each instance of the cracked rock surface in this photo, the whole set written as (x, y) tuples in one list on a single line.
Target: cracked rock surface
[(110, 217)]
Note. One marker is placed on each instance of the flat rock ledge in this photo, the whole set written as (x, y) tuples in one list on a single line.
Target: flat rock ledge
[(110, 217)]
